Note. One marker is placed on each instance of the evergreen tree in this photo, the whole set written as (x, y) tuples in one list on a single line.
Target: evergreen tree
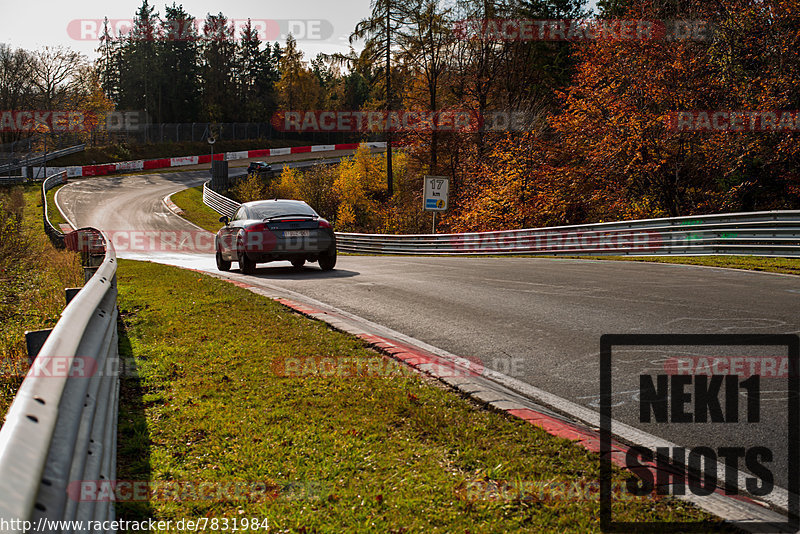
[(107, 63), (256, 74), (140, 71), (179, 59), (218, 69)]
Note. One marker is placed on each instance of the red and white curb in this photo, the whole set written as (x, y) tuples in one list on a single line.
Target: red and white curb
[(171, 206), (179, 161)]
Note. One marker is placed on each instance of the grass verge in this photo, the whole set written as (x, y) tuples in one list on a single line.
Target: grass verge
[(52, 209), (33, 275), (328, 452), (751, 263), (191, 202)]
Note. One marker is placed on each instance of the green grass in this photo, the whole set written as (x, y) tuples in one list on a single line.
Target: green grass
[(191, 202), (33, 275), (335, 453), (52, 209), (752, 263)]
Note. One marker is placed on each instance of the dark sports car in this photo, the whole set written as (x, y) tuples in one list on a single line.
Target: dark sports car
[(261, 168), (272, 230)]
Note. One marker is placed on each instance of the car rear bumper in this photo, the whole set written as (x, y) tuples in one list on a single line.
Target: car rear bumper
[(272, 246)]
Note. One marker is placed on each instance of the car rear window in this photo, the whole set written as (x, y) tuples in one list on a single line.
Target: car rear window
[(277, 209)]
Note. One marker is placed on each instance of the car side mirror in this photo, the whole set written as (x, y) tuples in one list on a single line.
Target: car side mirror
[(224, 219)]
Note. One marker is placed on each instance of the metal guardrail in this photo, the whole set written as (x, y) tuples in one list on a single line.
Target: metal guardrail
[(55, 235), (219, 203), (61, 428), (35, 160), (764, 233), (11, 180), (770, 233)]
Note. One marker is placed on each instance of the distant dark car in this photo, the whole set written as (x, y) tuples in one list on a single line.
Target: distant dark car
[(261, 168), (273, 230)]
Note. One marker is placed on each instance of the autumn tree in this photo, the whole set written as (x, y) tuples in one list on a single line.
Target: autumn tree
[(298, 87), (425, 47), (16, 88), (754, 57), (380, 31), (54, 71), (614, 115), (314, 186)]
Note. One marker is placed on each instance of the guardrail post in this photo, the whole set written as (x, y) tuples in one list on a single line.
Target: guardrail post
[(34, 340), (70, 292), (88, 272), (90, 264)]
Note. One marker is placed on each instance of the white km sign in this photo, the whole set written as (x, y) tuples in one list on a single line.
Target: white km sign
[(436, 189)]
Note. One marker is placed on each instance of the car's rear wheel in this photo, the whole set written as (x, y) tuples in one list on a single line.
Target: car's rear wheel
[(298, 263), (222, 265), (327, 260), (246, 264)]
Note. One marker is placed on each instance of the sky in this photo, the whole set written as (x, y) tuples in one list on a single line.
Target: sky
[(318, 25)]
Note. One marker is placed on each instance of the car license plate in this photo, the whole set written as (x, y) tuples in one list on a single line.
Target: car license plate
[(296, 233)]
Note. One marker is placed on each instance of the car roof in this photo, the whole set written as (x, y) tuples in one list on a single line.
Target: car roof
[(273, 201)]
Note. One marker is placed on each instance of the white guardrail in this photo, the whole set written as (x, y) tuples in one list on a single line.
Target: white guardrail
[(55, 235), (29, 160), (763, 233), (62, 426), (221, 204)]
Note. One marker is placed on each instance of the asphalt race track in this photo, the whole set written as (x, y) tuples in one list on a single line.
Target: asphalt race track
[(538, 320)]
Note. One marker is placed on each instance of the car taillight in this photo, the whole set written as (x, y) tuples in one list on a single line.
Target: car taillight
[(324, 224), (257, 227)]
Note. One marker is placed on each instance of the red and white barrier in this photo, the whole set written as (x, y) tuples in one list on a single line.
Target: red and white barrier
[(179, 161), (183, 160)]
